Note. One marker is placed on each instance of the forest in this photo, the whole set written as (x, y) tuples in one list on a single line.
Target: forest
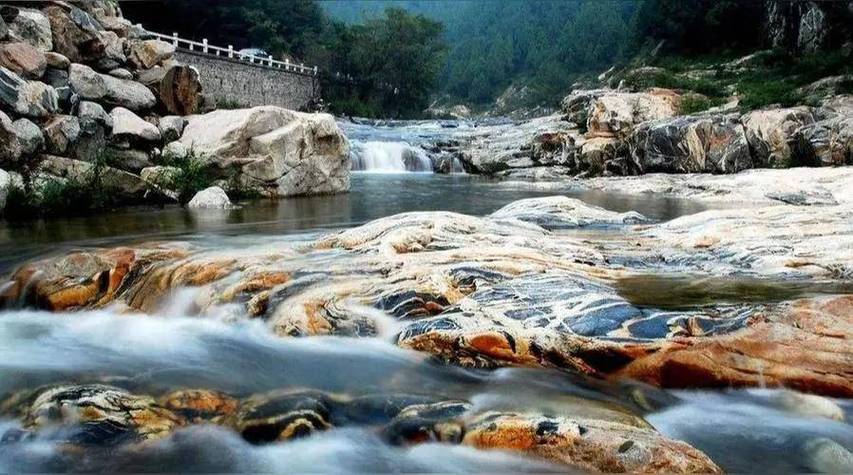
[(403, 54)]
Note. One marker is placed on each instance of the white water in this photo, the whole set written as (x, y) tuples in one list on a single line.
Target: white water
[(389, 157)]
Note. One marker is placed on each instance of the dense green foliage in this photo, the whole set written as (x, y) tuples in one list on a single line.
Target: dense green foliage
[(393, 59), (74, 195), (388, 57)]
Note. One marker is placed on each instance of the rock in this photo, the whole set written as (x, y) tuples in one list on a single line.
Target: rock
[(86, 82), (615, 114), (148, 53), (4, 29), (180, 90), (92, 111), (29, 137), (28, 98), (201, 405), (171, 127), (159, 175), (823, 455), (827, 86), (113, 51), (589, 444), (121, 73), (76, 35), (23, 59), (5, 184), (94, 86), (61, 132), (128, 187), (561, 212), (92, 141), (771, 134), (213, 197), (129, 94), (131, 160), (282, 416), (810, 405), (175, 150), (99, 415), (827, 142), (56, 78), (57, 61), (689, 144), (283, 152), (121, 26), (129, 126), (599, 154), (32, 27)]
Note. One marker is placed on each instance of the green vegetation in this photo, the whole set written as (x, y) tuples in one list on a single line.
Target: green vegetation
[(192, 173), (74, 195), (393, 60), (392, 57)]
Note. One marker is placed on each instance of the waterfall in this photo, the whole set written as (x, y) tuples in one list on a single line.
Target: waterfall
[(388, 157)]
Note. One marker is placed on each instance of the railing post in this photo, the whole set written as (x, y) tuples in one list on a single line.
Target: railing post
[(230, 51), (301, 67), (269, 60), (286, 64), (315, 70), (204, 42), (175, 39)]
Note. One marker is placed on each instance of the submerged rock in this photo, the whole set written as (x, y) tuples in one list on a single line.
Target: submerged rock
[(213, 197)]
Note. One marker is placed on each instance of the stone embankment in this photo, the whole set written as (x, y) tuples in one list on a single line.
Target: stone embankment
[(87, 97)]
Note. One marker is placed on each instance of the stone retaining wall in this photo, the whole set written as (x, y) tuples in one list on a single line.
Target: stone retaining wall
[(247, 85)]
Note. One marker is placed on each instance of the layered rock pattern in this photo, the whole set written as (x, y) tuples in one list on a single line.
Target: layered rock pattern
[(93, 416), (518, 288), (613, 132)]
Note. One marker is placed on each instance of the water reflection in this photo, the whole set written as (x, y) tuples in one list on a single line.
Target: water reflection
[(373, 196)]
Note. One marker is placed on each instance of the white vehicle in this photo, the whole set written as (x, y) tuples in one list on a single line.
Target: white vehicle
[(246, 53)]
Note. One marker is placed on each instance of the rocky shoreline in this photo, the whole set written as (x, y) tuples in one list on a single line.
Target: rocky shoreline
[(93, 109)]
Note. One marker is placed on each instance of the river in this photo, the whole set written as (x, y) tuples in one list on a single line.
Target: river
[(741, 430)]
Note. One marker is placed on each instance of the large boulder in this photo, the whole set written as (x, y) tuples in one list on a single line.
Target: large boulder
[(615, 114), (127, 186), (180, 90), (94, 86), (130, 127), (171, 127), (146, 54), (60, 133), (275, 150), (114, 56), (771, 134), (94, 112), (808, 27), (32, 27), (213, 197), (690, 144), (76, 35), (23, 59), (28, 136), (826, 142), (28, 98)]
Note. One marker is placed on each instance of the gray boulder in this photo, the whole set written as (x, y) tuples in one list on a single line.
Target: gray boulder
[(772, 133), (690, 144), (32, 27), (130, 127), (146, 54), (60, 133), (175, 150), (129, 187), (94, 86), (121, 73), (19, 140), (92, 111), (56, 78), (210, 198), (171, 127), (27, 98), (132, 160)]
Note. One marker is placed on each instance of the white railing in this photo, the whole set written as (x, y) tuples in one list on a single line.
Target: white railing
[(229, 52)]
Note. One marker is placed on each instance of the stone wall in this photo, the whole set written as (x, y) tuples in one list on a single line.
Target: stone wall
[(249, 85)]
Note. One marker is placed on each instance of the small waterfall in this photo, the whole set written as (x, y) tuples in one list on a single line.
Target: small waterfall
[(389, 157)]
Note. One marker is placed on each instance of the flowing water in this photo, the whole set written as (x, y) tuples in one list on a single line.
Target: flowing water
[(742, 430)]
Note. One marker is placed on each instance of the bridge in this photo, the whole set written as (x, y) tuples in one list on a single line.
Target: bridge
[(244, 80)]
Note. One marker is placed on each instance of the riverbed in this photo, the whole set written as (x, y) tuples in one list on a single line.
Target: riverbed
[(173, 348)]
